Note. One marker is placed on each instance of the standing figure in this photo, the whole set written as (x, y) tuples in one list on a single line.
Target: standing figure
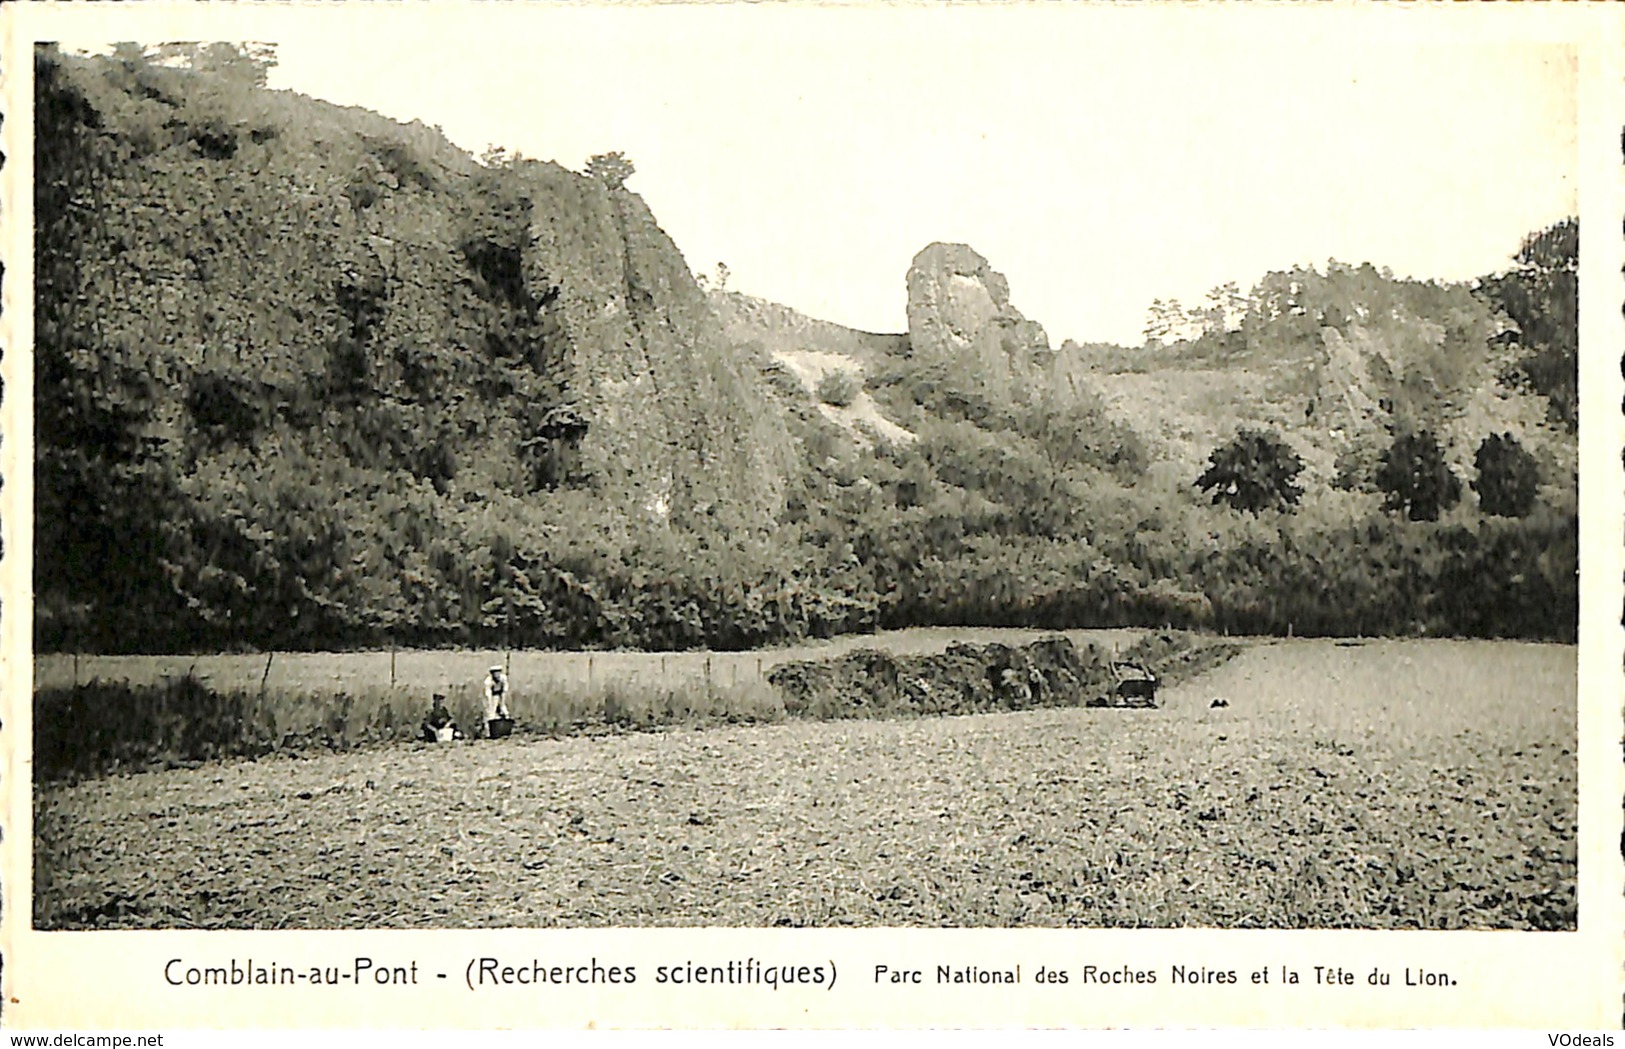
[(496, 703)]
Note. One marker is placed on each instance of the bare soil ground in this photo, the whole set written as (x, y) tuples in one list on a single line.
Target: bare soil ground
[(1418, 784)]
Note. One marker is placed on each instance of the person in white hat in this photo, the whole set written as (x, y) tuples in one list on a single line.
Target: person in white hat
[(496, 694)]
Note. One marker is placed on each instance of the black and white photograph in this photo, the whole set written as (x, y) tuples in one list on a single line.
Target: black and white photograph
[(428, 535), (877, 468)]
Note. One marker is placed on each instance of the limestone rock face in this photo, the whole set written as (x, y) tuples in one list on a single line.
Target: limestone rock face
[(959, 313), (1343, 408), (673, 420), (326, 324)]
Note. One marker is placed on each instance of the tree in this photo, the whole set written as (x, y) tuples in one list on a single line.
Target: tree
[(1255, 471), (1226, 306), (1167, 321), (1078, 430), (612, 169), (1507, 477), (1415, 478), (1159, 326)]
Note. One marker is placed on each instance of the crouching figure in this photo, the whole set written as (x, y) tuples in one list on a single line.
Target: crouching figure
[(439, 726)]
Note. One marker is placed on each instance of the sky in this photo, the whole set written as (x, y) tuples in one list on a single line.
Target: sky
[(1099, 159)]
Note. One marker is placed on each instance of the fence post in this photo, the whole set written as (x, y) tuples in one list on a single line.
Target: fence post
[(267, 675), (76, 671), (392, 668), (589, 671)]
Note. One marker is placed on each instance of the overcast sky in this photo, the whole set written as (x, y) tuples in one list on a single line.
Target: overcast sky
[(1098, 158)]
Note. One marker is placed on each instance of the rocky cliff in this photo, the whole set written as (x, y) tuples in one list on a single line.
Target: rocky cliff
[(671, 416), (305, 371), (960, 315)]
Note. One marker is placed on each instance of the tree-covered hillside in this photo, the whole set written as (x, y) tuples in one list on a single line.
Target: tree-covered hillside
[(1342, 358), (1108, 485)]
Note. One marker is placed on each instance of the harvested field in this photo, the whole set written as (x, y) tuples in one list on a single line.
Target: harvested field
[(1413, 784)]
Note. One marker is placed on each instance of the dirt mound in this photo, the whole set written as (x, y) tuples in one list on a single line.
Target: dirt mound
[(964, 679), (971, 679)]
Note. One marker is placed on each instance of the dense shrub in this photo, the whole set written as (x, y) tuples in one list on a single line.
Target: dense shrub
[(971, 678), (106, 725), (838, 387)]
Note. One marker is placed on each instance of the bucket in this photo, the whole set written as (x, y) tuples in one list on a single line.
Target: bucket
[(498, 728), (445, 734)]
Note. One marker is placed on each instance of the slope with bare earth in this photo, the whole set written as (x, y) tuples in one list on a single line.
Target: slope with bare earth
[(808, 350), (777, 328), (1386, 785)]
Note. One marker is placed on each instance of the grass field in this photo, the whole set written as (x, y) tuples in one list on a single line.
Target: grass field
[(1409, 784), (133, 712), (425, 672)]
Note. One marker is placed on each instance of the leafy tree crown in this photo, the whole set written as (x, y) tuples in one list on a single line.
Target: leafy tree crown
[(1508, 477), (1255, 471), (613, 169), (1415, 478), (1540, 295)]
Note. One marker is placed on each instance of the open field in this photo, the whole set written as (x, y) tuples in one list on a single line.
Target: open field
[(1407, 784), (133, 712)]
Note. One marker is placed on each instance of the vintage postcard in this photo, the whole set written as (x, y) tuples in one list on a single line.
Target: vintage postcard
[(812, 515)]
